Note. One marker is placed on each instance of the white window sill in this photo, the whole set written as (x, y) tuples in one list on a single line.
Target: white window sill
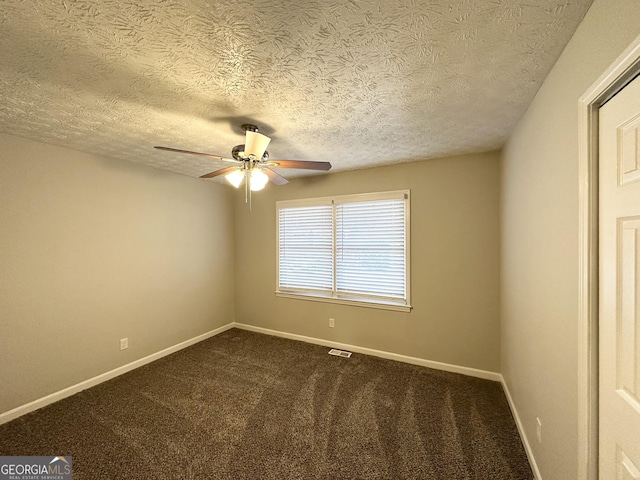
[(344, 301)]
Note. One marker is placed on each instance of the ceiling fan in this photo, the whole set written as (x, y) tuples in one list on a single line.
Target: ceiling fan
[(252, 162)]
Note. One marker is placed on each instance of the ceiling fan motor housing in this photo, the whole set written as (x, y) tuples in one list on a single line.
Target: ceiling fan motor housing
[(238, 154)]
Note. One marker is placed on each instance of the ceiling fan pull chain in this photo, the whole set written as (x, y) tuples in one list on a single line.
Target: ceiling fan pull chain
[(246, 187), (249, 188)]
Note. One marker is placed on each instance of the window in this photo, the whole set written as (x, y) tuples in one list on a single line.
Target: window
[(350, 249)]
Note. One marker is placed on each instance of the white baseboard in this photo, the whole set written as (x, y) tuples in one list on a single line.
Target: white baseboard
[(67, 392), (523, 436), (447, 367)]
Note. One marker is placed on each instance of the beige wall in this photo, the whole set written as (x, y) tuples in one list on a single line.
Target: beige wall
[(454, 263), (539, 292), (93, 250)]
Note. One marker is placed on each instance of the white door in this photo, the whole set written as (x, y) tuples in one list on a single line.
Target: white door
[(619, 344)]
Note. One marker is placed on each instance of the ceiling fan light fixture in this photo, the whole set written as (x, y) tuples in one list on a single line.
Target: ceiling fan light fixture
[(255, 144), (258, 179), (235, 178)]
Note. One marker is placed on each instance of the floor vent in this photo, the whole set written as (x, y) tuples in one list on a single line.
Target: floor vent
[(339, 353)]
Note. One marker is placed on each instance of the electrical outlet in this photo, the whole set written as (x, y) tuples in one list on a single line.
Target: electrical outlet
[(124, 343), (332, 323), (538, 430)]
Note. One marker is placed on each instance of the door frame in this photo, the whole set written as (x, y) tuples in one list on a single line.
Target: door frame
[(624, 69)]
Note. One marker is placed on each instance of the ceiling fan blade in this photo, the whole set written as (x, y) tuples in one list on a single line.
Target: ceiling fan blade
[(218, 157), (222, 171), (299, 164), (275, 177)]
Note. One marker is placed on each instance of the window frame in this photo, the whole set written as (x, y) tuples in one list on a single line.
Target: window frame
[(334, 297)]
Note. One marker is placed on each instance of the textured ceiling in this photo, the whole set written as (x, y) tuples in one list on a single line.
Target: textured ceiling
[(359, 83)]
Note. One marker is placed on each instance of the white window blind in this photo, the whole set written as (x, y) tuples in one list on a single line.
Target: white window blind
[(350, 249), (306, 248), (371, 249)]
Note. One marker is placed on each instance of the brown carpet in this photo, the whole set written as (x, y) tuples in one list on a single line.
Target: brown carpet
[(243, 405)]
